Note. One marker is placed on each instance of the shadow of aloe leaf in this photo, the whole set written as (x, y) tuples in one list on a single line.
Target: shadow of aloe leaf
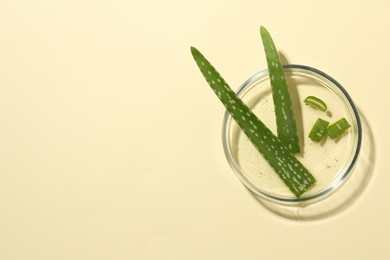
[(340, 200), (283, 58)]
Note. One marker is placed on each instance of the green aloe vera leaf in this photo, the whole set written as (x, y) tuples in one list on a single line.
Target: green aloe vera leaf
[(336, 129), (285, 118), (286, 165), (319, 130)]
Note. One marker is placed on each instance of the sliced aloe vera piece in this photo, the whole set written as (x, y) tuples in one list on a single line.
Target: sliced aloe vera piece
[(285, 164), (319, 130), (285, 118), (336, 129), (316, 103)]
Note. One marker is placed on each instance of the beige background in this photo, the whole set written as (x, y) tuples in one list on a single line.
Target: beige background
[(110, 139)]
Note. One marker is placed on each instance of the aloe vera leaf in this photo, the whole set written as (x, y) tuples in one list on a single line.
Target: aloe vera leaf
[(285, 119), (285, 164)]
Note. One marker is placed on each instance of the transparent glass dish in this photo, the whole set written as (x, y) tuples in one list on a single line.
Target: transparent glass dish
[(330, 161)]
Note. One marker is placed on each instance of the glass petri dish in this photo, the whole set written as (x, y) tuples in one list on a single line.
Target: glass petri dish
[(330, 161)]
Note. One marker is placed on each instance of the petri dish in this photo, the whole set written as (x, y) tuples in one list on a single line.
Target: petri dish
[(331, 161)]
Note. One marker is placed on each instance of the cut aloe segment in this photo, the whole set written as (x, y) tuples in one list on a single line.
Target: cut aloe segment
[(316, 103), (336, 129), (291, 170), (285, 118), (319, 130)]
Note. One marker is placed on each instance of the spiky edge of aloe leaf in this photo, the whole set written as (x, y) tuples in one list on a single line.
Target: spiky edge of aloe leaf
[(285, 119), (289, 168)]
